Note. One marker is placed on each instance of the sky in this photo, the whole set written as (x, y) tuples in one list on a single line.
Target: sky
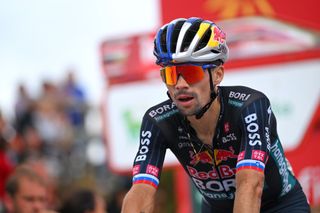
[(41, 40)]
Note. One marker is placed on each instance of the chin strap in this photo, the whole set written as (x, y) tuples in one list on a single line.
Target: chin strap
[(169, 96), (213, 96)]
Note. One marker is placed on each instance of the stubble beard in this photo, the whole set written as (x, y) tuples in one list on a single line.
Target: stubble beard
[(190, 112), (193, 110)]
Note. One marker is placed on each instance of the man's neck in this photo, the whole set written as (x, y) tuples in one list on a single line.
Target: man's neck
[(205, 126)]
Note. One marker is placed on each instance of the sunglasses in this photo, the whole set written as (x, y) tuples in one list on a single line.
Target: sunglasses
[(190, 73)]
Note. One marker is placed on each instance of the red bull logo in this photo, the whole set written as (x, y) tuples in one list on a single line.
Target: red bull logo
[(203, 157), (219, 35), (223, 155)]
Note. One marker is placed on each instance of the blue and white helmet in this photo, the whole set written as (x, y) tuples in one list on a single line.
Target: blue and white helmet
[(193, 40)]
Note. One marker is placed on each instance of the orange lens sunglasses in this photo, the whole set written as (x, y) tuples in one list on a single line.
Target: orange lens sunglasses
[(190, 73)]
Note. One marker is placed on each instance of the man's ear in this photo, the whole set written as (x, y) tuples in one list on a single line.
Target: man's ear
[(218, 75)]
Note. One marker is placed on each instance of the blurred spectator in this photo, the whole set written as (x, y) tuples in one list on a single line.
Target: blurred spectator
[(24, 107), (6, 166), (26, 192), (47, 170), (53, 135), (34, 144), (6, 130), (49, 109), (76, 105), (83, 201)]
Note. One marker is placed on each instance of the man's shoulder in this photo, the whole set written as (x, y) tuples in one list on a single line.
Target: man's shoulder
[(240, 96), (241, 93), (238, 90), (162, 110)]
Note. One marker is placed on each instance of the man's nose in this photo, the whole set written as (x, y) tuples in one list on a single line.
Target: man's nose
[(181, 83)]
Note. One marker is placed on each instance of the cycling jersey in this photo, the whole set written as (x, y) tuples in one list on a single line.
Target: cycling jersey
[(245, 138)]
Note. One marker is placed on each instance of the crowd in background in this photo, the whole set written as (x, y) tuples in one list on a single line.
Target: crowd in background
[(48, 133)]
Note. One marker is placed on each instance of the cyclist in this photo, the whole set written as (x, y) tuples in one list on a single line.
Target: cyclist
[(225, 137)]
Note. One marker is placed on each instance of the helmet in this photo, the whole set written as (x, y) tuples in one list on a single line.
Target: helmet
[(192, 40)]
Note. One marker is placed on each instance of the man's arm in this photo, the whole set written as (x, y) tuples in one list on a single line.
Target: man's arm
[(139, 199), (249, 186)]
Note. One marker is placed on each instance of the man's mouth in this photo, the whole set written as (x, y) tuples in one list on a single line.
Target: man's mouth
[(184, 98)]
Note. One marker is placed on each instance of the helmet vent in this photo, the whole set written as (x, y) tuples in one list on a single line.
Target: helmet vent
[(163, 40), (192, 31), (175, 35), (204, 40), (155, 46), (215, 51)]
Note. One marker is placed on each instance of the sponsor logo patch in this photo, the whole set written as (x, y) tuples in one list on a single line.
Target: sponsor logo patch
[(153, 170), (258, 155), (136, 169)]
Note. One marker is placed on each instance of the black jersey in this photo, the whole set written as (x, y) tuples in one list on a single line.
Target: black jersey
[(245, 137)]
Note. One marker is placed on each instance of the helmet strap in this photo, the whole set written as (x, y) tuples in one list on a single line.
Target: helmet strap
[(213, 96), (169, 96)]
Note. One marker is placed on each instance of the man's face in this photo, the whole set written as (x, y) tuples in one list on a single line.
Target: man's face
[(190, 98), (30, 198)]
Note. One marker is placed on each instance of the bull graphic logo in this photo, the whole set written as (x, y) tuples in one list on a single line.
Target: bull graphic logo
[(203, 157), (223, 155)]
